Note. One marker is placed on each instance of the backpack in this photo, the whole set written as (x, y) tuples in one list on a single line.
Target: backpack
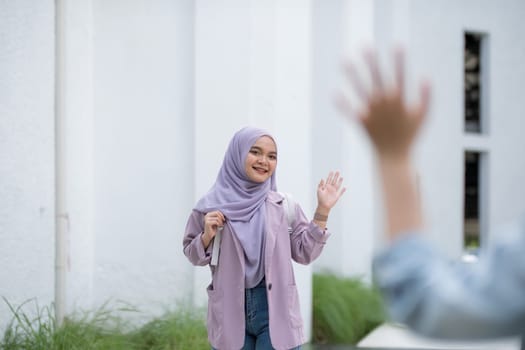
[(289, 208)]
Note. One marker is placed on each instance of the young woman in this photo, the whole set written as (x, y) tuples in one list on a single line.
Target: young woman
[(252, 299)]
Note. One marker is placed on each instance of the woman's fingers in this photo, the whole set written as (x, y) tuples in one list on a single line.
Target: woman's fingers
[(334, 179), (329, 178), (215, 218), (337, 183)]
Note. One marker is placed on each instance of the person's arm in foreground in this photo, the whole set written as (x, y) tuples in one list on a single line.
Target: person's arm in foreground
[(422, 289), (392, 126)]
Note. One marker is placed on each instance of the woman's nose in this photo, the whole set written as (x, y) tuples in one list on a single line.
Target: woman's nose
[(262, 158)]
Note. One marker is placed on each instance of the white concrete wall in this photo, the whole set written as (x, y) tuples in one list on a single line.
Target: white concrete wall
[(155, 89), (142, 144), (436, 50), (26, 154), (432, 34)]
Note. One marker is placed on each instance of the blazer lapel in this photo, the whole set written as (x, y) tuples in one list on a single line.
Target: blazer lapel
[(274, 218)]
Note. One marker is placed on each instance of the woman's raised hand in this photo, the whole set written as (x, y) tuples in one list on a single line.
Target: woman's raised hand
[(328, 192)]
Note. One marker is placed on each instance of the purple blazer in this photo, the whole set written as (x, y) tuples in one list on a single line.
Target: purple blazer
[(226, 320)]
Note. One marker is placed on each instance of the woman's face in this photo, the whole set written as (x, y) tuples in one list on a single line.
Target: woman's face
[(261, 160)]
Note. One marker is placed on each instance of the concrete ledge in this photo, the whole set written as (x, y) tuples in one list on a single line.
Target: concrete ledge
[(395, 336)]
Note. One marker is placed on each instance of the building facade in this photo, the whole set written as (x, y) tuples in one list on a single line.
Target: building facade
[(115, 117)]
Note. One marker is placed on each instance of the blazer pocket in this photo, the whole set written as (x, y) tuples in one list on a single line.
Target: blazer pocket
[(294, 309), (215, 312)]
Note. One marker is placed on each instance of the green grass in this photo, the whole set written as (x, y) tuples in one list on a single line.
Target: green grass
[(344, 309), (182, 329), (102, 329)]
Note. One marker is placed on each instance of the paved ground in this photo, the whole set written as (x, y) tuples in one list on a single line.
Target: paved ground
[(396, 336)]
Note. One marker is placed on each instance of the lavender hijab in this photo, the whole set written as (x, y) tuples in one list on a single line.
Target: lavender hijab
[(242, 201)]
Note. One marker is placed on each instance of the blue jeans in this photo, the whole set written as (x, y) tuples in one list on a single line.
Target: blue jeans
[(257, 333)]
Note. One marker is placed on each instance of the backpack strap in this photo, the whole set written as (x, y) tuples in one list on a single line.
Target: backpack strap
[(216, 247), (289, 208)]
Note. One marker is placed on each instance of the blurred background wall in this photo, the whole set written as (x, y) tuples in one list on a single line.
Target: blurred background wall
[(115, 115)]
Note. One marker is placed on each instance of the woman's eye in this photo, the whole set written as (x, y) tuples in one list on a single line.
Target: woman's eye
[(273, 157)]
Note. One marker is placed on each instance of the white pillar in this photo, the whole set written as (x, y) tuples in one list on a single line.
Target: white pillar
[(293, 121), (143, 107), (222, 65), (377, 25), (75, 174), (253, 66), (360, 219)]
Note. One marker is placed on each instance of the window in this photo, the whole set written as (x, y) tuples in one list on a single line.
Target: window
[(471, 201), (475, 199), (474, 75)]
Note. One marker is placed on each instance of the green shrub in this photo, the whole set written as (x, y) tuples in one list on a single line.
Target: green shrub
[(103, 330), (344, 309), (182, 329)]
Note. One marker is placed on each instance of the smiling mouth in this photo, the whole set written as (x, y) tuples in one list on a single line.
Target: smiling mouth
[(260, 170)]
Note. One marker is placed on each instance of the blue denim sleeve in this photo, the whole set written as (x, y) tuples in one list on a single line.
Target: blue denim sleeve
[(442, 299)]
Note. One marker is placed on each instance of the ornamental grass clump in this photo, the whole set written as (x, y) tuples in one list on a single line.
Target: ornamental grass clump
[(35, 328), (345, 310)]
